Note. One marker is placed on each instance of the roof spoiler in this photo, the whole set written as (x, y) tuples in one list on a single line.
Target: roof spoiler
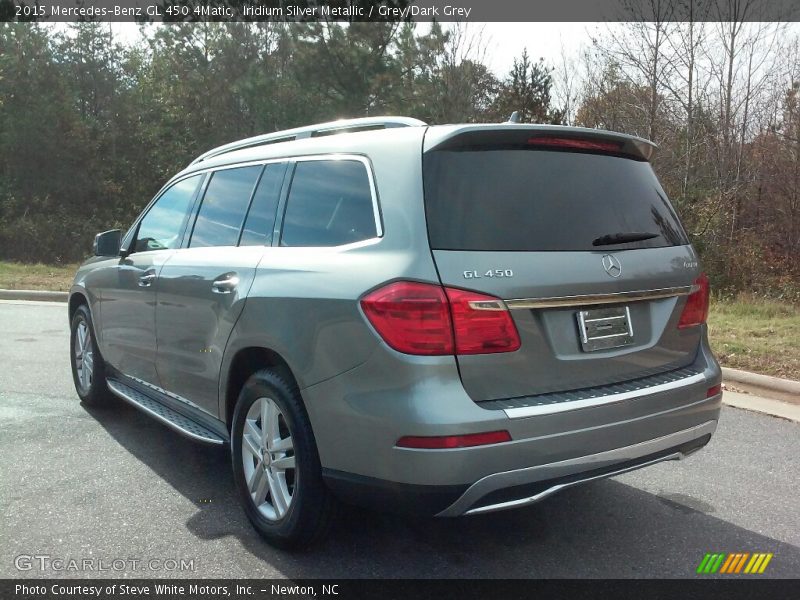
[(545, 136)]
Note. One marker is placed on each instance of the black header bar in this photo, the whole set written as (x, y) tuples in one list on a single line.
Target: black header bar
[(395, 589), (398, 10)]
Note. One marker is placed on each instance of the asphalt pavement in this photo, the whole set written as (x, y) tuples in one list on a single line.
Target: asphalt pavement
[(86, 488)]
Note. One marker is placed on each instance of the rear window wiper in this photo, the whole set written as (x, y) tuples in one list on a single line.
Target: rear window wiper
[(622, 238)]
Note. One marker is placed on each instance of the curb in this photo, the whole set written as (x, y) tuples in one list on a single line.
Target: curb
[(764, 382), (34, 295)]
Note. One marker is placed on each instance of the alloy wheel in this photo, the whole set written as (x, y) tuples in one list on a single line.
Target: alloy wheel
[(84, 355), (268, 459)]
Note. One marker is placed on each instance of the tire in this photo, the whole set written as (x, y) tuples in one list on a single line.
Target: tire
[(279, 482), (88, 368)]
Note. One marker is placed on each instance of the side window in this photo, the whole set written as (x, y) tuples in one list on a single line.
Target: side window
[(261, 218), (329, 204), (223, 208), (161, 227)]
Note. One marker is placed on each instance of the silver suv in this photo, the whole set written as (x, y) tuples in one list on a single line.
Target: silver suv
[(448, 320)]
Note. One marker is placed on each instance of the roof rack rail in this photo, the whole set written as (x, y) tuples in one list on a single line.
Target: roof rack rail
[(321, 129)]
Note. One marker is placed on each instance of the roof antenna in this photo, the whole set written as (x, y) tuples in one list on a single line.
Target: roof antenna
[(514, 118)]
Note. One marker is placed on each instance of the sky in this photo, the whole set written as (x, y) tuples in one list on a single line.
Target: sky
[(543, 40)]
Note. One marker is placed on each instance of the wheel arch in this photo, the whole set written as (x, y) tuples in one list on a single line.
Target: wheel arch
[(245, 362), (75, 300)]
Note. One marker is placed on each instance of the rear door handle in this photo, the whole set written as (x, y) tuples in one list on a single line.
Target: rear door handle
[(147, 279), (225, 284)]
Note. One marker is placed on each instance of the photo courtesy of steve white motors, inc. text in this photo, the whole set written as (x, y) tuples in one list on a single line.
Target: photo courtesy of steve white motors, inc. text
[(192, 590)]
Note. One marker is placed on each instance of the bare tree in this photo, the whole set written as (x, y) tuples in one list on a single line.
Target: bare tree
[(685, 85), (640, 48), (741, 63), (566, 85)]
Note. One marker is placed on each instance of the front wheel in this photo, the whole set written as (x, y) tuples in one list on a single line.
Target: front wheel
[(276, 465), (88, 369)]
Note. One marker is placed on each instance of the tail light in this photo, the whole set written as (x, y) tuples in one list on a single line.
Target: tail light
[(695, 312), (427, 319), (485, 330), (411, 317)]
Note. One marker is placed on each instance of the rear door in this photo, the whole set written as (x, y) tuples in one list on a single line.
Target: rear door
[(202, 287), (579, 239)]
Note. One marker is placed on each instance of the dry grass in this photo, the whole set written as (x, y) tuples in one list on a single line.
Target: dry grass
[(19, 276), (757, 335)]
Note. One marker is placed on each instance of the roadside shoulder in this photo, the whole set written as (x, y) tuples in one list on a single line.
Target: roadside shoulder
[(775, 408), (37, 295)]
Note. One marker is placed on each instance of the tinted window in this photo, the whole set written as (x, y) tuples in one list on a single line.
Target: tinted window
[(162, 226), (531, 200), (329, 204), (261, 219), (223, 208)]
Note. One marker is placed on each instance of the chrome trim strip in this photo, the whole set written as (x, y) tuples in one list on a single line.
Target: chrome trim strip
[(506, 479), (592, 299), (548, 409), (171, 424), (559, 487)]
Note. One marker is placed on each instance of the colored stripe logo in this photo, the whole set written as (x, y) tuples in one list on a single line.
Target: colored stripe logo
[(734, 563)]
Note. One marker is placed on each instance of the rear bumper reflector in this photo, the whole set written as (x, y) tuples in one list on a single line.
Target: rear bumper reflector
[(445, 442)]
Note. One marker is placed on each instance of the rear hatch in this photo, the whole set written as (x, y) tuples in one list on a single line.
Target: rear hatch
[(533, 215)]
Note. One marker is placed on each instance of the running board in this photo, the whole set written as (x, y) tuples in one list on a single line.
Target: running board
[(172, 419)]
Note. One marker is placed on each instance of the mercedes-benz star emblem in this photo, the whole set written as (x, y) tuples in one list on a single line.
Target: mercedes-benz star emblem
[(612, 266)]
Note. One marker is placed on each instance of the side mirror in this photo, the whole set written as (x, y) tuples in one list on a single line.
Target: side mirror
[(107, 243)]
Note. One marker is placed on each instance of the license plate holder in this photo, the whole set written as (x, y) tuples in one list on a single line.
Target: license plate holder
[(604, 328)]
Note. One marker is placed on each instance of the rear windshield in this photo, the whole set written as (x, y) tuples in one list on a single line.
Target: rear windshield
[(543, 200)]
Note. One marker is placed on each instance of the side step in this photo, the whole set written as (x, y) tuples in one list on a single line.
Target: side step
[(167, 416)]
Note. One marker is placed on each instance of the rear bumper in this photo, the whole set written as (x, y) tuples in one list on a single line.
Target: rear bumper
[(359, 416), (513, 489), (517, 488)]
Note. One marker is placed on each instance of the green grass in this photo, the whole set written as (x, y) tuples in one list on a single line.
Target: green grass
[(747, 333), (757, 335), (19, 276)]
